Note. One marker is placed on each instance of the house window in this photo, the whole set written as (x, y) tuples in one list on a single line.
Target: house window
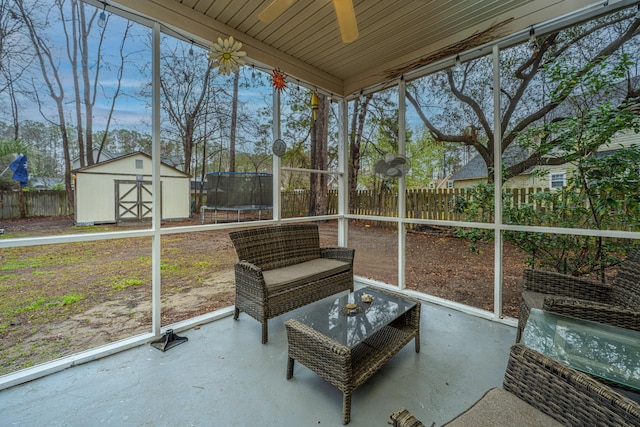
[(138, 163), (449, 184), (557, 180)]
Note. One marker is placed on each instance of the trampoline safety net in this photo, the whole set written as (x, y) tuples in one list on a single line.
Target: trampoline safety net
[(239, 190)]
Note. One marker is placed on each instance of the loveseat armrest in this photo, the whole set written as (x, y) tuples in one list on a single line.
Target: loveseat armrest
[(339, 253), (250, 279), (570, 397), (594, 311), (548, 282)]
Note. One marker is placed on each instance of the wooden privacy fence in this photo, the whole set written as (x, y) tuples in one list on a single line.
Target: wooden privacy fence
[(424, 203), (421, 203), (36, 203)]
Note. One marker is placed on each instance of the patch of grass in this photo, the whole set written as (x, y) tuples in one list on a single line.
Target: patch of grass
[(14, 265), (21, 357), (70, 299), (5, 276), (43, 302), (168, 267), (126, 283), (37, 304)]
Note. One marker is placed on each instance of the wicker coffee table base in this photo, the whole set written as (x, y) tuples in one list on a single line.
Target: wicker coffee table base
[(348, 368)]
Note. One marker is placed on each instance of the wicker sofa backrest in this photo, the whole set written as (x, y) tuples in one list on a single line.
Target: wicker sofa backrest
[(277, 246), (626, 285)]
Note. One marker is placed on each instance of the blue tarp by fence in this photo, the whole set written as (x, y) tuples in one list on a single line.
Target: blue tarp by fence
[(19, 168)]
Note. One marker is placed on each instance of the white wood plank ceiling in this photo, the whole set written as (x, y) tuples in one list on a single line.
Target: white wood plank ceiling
[(305, 43)]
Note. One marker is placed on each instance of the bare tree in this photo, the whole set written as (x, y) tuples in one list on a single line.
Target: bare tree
[(86, 63), (14, 58), (185, 83), (358, 120), (524, 103), (50, 70)]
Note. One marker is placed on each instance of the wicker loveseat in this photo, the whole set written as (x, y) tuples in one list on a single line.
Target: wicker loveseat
[(540, 391), (283, 267), (617, 304)]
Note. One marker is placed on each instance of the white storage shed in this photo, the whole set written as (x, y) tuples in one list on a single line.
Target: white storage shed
[(119, 190)]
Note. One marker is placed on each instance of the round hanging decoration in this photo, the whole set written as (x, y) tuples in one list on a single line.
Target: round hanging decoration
[(226, 55), (279, 147), (278, 80)]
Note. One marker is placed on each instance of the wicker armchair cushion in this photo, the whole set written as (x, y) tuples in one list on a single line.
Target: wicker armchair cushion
[(285, 278), (283, 267), (535, 385), (498, 407)]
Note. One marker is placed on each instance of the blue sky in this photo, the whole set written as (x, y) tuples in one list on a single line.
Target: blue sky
[(132, 109)]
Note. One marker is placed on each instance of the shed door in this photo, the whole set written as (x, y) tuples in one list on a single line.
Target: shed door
[(133, 200)]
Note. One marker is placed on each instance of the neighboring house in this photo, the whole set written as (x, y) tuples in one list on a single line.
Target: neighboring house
[(552, 177), (119, 190), (104, 156), (439, 184), (41, 183)]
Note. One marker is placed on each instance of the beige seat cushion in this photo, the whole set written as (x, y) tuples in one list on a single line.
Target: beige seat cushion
[(499, 408), (281, 279)]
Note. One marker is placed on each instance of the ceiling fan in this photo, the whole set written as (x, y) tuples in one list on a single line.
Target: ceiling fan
[(344, 12)]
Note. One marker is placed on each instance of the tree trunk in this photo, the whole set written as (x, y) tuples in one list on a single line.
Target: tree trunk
[(234, 121), (318, 202), (355, 141), (203, 172), (72, 53), (88, 99)]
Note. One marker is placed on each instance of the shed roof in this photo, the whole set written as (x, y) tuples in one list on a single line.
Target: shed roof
[(122, 158)]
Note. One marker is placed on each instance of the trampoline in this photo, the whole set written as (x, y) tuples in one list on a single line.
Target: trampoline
[(239, 192)]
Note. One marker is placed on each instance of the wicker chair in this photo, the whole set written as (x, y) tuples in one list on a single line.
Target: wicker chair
[(281, 268), (538, 390), (617, 304)]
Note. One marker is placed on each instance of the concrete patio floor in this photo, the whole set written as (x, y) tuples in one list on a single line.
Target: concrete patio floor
[(224, 376)]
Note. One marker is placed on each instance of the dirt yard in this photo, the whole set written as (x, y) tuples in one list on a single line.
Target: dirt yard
[(57, 300)]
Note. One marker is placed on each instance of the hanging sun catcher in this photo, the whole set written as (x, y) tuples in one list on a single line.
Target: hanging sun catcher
[(226, 55), (278, 80)]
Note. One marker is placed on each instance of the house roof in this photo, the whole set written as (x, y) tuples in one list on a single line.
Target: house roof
[(395, 37), (476, 168)]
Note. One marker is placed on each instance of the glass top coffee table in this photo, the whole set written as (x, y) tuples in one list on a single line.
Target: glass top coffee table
[(346, 341), (603, 351)]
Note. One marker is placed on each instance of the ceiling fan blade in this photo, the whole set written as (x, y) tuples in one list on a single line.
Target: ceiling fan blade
[(346, 20), (275, 9)]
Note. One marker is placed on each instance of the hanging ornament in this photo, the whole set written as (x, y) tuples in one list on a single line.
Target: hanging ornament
[(278, 80), (226, 55), (314, 105)]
